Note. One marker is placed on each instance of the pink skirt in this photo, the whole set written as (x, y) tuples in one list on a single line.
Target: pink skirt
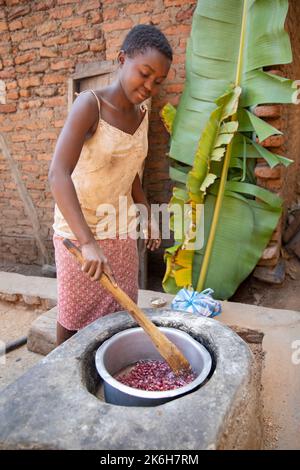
[(81, 300)]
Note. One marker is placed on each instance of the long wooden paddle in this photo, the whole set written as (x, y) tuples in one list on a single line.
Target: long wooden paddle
[(166, 348)]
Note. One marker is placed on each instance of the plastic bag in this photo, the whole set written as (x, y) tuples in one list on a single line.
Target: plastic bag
[(201, 303)]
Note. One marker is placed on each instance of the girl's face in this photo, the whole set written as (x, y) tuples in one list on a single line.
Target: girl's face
[(141, 75)]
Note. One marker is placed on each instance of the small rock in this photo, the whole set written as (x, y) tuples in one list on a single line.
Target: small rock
[(294, 245), (9, 297), (293, 228), (31, 300), (257, 298), (49, 270)]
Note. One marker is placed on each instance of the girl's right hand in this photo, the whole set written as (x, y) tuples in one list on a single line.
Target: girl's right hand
[(95, 261)]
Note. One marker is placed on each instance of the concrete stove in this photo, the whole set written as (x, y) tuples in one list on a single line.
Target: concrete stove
[(54, 405)]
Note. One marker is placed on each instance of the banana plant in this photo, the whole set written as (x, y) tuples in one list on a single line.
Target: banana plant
[(217, 134), (230, 43)]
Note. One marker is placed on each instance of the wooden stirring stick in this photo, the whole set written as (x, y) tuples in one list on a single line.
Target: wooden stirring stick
[(166, 348)]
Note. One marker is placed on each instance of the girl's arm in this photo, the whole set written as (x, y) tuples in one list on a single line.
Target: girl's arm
[(79, 124), (138, 194), (81, 119), (153, 239)]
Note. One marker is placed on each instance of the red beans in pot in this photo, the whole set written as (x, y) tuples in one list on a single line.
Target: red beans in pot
[(154, 376)]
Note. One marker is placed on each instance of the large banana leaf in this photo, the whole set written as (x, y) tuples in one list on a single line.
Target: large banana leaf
[(231, 40), (243, 231), (212, 64), (216, 135)]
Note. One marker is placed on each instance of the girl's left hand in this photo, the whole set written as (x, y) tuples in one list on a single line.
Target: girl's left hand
[(153, 237)]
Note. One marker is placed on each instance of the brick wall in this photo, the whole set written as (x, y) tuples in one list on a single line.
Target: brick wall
[(281, 180), (40, 44), (173, 17)]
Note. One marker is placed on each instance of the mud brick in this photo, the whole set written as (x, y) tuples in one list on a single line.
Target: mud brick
[(268, 111), (270, 255)]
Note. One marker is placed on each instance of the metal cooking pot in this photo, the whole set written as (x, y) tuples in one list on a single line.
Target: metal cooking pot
[(132, 345)]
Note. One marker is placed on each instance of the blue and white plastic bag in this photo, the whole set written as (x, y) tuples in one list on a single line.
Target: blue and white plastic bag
[(200, 303)]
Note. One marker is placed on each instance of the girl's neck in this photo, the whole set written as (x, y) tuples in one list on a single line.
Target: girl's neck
[(115, 96)]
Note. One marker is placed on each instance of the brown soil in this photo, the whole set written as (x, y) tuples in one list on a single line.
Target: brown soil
[(15, 320), (251, 291), (285, 296)]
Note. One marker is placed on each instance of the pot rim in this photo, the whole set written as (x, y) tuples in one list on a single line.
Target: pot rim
[(108, 378)]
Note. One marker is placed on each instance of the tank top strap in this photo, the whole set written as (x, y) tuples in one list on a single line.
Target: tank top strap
[(96, 97), (98, 101)]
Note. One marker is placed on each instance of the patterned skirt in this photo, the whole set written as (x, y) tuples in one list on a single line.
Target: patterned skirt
[(81, 300)]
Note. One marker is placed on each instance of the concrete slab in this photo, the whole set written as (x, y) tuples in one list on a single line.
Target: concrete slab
[(281, 372), (32, 290)]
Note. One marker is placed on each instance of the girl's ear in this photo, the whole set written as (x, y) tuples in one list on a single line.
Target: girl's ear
[(121, 57)]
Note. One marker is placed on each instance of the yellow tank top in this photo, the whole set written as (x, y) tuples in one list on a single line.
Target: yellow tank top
[(107, 166)]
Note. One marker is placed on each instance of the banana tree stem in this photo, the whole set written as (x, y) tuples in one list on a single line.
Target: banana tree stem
[(220, 196), (215, 221)]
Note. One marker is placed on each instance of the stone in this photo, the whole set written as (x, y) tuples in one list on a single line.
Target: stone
[(30, 288), (9, 297), (270, 275), (31, 299), (293, 228), (294, 245), (42, 333), (49, 270), (57, 407)]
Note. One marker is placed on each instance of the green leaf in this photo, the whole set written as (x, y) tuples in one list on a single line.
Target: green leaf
[(229, 127), (218, 153), (177, 175), (223, 139), (210, 178), (255, 150), (231, 41), (168, 114), (272, 158), (262, 87), (244, 229), (212, 61), (248, 122)]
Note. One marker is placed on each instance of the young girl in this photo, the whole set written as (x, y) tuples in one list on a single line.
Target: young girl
[(97, 159)]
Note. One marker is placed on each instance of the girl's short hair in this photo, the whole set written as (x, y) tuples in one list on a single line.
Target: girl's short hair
[(146, 36)]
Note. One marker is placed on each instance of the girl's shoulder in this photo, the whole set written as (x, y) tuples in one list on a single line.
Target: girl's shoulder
[(87, 105)]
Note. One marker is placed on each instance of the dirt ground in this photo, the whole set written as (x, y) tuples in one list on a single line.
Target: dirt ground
[(15, 321), (251, 291), (285, 296)]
